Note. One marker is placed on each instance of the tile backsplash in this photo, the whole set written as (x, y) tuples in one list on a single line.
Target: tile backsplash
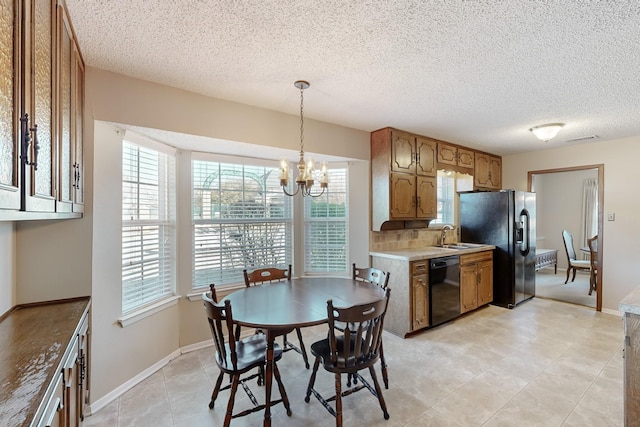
[(380, 241)]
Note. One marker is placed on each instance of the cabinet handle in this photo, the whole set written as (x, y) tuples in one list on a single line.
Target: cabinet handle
[(83, 368), (76, 175), (26, 141)]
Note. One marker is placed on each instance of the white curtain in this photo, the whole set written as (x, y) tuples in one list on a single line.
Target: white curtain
[(589, 209)]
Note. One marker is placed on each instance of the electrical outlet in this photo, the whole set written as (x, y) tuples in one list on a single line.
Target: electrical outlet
[(611, 217)]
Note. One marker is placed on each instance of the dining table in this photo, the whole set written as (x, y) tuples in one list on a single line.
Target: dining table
[(277, 308)]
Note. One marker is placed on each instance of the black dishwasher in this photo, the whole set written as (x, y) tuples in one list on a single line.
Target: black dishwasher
[(444, 289)]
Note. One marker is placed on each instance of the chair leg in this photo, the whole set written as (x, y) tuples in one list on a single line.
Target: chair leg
[(383, 405), (383, 368), (312, 379), (232, 398), (302, 349), (338, 400), (568, 271), (573, 278), (283, 392), (216, 389)]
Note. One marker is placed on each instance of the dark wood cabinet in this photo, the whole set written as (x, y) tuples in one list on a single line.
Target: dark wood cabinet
[(41, 120), (403, 177), (476, 280), (419, 295), (461, 158), (488, 172)]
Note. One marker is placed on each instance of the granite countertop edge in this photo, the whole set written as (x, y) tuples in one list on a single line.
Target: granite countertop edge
[(428, 252), (631, 303)]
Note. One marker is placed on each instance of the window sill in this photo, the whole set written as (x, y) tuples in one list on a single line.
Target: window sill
[(221, 292), (147, 311)]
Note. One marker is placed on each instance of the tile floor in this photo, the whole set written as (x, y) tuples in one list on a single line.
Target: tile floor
[(544, 363)]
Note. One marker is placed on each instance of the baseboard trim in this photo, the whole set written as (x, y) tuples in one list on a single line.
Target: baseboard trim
[(119, 391), (614, 312)]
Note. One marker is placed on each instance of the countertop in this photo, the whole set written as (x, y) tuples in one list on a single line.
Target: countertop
[(429, 252), (631, 303)]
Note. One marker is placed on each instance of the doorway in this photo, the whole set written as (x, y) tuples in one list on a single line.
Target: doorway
[(560, 205)]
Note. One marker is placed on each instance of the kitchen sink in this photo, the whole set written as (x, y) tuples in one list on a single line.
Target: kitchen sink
[(460, 246)]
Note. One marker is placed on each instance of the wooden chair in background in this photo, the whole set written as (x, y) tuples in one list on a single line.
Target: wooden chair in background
[(238, 357), (357, 348), (592, 243), (573, 263), (270, 275)]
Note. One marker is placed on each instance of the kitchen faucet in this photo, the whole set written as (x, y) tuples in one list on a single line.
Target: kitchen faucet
[(444, 233)]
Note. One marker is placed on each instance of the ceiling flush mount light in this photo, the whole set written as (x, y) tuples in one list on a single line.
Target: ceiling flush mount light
[(306, 169), (547, 132)]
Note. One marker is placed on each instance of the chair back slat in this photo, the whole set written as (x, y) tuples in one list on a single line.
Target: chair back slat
[(359, 342), (266, 275), (371, 275), (220, 319)]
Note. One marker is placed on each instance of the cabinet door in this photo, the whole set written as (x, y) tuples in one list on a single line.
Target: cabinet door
[(481, 171), (495, 172), (53, 415), (10, 61), (403, 152), (402, 197), (485, 282), (427, 197), (78, 122), (83, 367), (468, 288), (65, 123), (71, 375), (39, 91), (466, 158), (447, 154), (426, 150), (419, 302)]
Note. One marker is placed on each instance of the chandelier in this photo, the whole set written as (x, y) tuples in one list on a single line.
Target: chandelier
[(306, 168)]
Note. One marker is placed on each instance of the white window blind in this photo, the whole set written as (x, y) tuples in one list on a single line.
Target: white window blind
[(446, 191), (148, 225), (326, 227), (241, 219)]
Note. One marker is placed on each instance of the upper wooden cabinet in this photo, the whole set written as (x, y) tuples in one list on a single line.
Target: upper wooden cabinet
[(41, 112), (403, 177), (453, 155), (488, 172)]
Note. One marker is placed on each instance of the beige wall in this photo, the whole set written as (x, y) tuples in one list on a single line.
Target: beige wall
[(621, 173)]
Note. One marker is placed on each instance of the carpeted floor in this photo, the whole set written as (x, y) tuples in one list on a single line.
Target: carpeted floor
[(549, 285)]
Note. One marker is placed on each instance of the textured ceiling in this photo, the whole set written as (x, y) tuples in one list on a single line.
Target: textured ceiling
[(478, 73)]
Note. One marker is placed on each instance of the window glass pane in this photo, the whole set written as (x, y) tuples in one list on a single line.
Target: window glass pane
[(148, 226), (326, 227), (241, 220)]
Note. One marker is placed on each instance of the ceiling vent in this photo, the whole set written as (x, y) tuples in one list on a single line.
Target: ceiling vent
[(582, 138)]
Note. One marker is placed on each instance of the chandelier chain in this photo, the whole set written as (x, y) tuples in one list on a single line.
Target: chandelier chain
[(301, 119)]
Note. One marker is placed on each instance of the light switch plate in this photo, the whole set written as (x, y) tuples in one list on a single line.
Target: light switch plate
[(611, 217)]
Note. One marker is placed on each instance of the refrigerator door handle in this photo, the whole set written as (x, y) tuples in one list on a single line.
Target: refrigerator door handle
[(525, 242)]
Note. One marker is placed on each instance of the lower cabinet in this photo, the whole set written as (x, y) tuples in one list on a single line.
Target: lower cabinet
[(419, 295), (476, 280), (45, 345)]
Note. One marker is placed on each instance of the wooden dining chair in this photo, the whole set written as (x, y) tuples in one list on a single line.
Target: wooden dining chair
[(349, 352), (237, 358), (592, 243), (263, 276), (573, 263), (380, 278)]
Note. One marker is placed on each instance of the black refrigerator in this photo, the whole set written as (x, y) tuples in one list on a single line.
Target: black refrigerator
[(507, 220)]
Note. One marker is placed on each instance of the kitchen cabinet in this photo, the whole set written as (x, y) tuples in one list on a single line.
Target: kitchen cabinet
[(488, 172), (58, 384), (419, 295), (476, 280), (41, 120), (452, 155), (403, 178)]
